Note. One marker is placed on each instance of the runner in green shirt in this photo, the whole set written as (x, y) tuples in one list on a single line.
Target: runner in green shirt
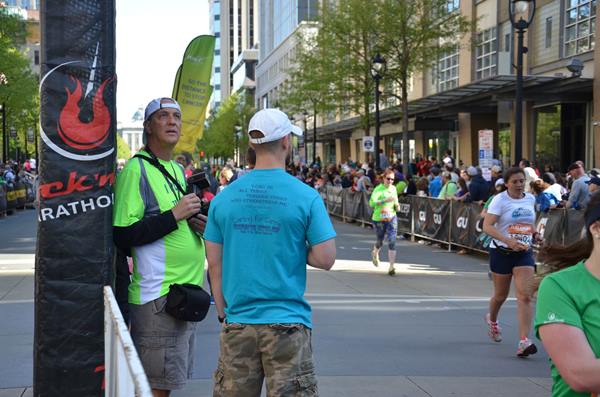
[(567, 317), (384, 201)]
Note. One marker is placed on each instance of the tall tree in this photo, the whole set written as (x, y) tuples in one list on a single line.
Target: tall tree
[(308, 89), (348, 41), (19, 89), (227, 125), (413, 34)]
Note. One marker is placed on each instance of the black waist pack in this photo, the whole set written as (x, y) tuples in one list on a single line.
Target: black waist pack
[(187, 302)]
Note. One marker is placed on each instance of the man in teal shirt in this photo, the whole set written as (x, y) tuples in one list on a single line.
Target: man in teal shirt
[(262, 231)]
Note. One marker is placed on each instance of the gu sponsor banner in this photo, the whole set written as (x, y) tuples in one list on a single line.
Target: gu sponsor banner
[(420, 207), (478, 239), (462, 227), (405, 214), (74, 246), (334, 200), (551, 226), (575, 224), (431, 218), (437, 220), (367, 210), (352, 204)]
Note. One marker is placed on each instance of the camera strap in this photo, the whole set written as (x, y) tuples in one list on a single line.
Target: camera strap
[(155, 162)]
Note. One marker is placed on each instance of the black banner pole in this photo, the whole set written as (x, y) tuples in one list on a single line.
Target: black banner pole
[(74, 252)]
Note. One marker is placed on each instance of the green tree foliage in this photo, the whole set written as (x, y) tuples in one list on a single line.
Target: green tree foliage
[(347, 42), (226, 126), (308, 90), (20, 93), (336, 67), (413, 34), (123, 149)]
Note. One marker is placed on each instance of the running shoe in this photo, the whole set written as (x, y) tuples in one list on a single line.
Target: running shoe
[(391, 271), (375, 257), (526, 348), (494, 330)]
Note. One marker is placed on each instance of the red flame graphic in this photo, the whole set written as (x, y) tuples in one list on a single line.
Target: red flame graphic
[(84, 136)]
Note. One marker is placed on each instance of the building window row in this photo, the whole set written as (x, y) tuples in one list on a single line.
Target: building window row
[(579, 26), (448, 69), (486, 53)]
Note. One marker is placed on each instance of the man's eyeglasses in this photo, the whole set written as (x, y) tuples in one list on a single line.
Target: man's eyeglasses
[(390, 179)]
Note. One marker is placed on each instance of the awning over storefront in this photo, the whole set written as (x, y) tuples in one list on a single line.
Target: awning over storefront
[(438, 110)]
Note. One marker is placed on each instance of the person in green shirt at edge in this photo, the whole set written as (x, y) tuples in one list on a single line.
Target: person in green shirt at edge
[(384, 201), (567, 319), (158, 225), (449, 187), (401, 185)]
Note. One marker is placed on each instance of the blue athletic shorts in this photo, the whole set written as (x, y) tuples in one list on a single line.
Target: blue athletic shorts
[(503, 262)]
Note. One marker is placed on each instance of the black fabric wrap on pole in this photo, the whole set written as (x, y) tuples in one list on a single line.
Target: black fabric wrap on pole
[(74, 256)]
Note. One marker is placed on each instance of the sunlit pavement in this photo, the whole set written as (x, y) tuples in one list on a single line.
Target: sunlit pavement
[(419, 333)]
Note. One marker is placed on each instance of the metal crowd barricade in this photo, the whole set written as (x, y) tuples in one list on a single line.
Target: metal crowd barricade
[(447, 221), (124, 374)]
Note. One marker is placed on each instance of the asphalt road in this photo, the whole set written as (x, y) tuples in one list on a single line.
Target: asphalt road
[(419, 333)]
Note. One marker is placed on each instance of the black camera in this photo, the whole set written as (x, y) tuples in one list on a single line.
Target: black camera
[(196, 183)]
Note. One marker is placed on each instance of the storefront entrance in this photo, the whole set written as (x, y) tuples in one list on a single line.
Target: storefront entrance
[(559, 135)]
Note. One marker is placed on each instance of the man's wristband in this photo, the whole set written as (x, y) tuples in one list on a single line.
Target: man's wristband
[(221, 319)]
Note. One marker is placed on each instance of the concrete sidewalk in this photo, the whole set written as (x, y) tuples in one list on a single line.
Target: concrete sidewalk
[(388, 386), (420, 333)]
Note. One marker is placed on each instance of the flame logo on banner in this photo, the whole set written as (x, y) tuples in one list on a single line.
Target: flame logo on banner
[(76, 139), (73, 131)]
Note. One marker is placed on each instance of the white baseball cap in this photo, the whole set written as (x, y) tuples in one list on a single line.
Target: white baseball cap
[(155, 105), (274, 125)]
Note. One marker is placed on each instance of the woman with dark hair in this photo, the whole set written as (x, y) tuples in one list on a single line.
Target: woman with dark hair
[(510, 221), (463, 190), (567, 319)]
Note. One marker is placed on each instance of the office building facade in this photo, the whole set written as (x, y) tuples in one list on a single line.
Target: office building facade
[(471, 88)]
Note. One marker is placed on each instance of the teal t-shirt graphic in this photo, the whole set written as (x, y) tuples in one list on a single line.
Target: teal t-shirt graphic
[(265, 221)]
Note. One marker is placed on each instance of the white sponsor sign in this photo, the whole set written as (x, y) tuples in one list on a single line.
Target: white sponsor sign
[(368, 144), (486, 148)]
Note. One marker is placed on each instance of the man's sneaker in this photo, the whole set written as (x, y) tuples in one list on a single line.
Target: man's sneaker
[(526, 348), (494, 330), (375, 257), (391, 271)]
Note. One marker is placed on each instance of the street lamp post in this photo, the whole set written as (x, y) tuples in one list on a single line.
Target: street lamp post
[(377, 70), (4, 81), (305, 136), (521, 15)]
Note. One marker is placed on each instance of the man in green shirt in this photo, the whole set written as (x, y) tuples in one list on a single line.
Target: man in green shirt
[(150, 223), (449, 188)]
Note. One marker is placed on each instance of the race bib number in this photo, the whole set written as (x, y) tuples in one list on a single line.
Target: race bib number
[(387, 214), (521, 232)]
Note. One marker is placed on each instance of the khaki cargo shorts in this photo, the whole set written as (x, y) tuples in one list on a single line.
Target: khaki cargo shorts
[(279, 353), (165, 345)]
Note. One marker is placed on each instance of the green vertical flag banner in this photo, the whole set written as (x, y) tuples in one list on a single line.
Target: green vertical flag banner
[(192, 89)]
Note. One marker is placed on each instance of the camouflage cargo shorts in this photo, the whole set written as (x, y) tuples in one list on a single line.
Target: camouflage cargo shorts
[(281, 354)]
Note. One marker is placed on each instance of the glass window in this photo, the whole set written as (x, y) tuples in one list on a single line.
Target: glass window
[(547, 137), (486, 54), (579, 26), (504, 144), (448, 69), (548, 41)]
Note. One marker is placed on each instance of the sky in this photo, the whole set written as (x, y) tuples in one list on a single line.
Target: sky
[(151, 38)]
